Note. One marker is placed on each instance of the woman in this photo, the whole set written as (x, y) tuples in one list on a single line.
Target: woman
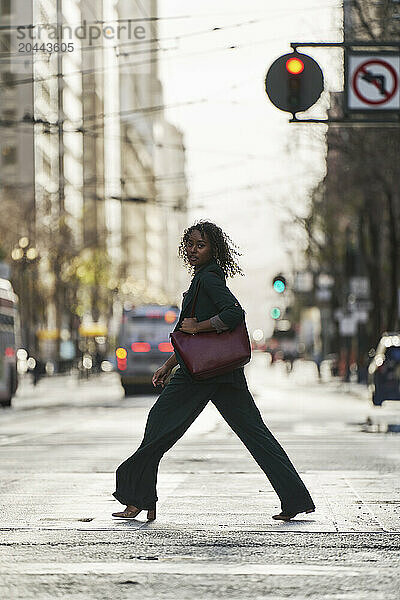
[(206, 248)]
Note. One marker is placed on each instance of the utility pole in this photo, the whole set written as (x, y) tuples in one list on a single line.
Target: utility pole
[(59, 293), (346, 19), (60, 114)]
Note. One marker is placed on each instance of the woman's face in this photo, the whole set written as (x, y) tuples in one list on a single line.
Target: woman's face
[(198, 249)]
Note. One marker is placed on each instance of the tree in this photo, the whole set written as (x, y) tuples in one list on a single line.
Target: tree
[(353, 226)]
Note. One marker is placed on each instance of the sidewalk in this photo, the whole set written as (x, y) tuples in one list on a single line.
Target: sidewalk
[(64, 390), (380, 419)]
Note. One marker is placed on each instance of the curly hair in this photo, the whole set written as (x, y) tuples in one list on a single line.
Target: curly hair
[(222, 247)]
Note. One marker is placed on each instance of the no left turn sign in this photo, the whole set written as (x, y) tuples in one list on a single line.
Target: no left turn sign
[(373, 81)]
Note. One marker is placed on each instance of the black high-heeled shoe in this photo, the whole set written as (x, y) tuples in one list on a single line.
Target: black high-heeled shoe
[(131, 514), (286, 516)]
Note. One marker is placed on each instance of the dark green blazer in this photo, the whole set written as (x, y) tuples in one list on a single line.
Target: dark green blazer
[(214, 298)]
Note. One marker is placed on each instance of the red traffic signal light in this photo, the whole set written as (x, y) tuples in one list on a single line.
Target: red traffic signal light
[(294, 66)]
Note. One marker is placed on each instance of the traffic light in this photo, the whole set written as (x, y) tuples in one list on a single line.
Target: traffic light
[(294, 82), (295, 68), (275, 312), (279, 283)]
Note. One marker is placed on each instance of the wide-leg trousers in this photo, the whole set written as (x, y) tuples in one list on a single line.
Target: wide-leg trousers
[(178, 405)]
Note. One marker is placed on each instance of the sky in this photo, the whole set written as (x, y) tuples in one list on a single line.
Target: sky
[(248, 169)]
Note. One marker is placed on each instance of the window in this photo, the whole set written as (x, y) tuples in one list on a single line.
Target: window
[(9, 114), (5, 7), (7, 77), (44, 92), (9, 155), (46, 166), (6, 320), (5, 42), (44, 15), (393, 353)]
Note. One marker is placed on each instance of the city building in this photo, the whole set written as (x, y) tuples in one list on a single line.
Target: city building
[(98, 171)]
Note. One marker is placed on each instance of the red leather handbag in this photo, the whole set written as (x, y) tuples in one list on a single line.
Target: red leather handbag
[(209, 353)]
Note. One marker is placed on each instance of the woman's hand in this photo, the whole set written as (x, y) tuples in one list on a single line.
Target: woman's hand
[(189, 325), (161, 375)]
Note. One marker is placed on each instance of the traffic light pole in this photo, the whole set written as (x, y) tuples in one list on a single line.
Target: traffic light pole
[(352, 121), (354, 44), (357, 122)]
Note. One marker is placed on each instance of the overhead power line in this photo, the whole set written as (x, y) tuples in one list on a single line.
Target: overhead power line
[(152, 19), (96, 22), (149, 61), (165, 39), (154, 40), (122, 113), (133, 64), (138, 52)]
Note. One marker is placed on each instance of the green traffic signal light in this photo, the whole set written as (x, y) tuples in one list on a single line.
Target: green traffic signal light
[(279, 283), (279, 286), (275, 313)]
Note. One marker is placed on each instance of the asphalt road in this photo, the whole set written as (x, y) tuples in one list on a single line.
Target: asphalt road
[(214, 536)]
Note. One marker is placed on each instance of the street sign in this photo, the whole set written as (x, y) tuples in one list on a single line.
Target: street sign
[(338, 314), (359, 286), (303, 281), (5, 270), (294, 82), (398, 299), (325, 281), (362, 316), (323, 294), (348, 326), (92, 330), (67, 350), (372, 81), (362, 305)]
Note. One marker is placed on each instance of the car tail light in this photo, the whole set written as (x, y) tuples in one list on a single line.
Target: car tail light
[(9, 352), (165, 347), (141, 347), (170, 316)]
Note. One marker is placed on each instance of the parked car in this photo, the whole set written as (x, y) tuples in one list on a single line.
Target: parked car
[(9, 342), (384, 369)]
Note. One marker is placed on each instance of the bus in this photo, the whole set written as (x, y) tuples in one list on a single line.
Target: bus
[(143, 344), (9, 341)]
